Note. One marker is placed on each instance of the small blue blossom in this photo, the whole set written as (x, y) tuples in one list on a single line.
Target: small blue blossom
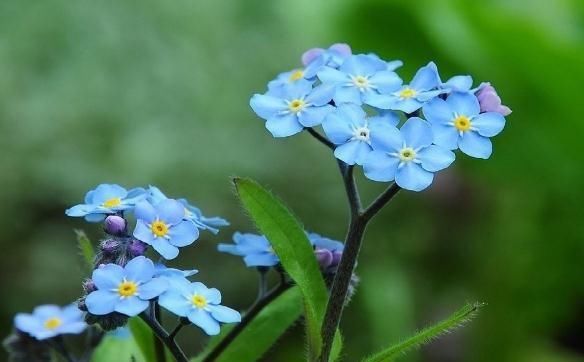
[(296, 107), (317, 58), (255, 249), (410, 98), (106, 199), (48, 321), (359, 77), (163, 226), (456, 123), (125, 290), (191, 212), (407, 156), (201, 305), (352, 131)]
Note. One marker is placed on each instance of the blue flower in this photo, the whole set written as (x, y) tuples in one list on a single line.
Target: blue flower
[(456, 123), (255, 249), (407, 156), (48, 321), (163, 226), (201, 305), (106, 199), (316, 59), (352, 131), (410, 97), (298, 106), (191, 213), (359, 77), (124, 290)]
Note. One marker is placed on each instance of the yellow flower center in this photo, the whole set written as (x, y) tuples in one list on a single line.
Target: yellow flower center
[(159, 228), (296, 75), (53, 323), (462, 123), (199, 301), (127, 289), (296, 105), (407, 154), (407, 93), (361, 82), (113, 202)]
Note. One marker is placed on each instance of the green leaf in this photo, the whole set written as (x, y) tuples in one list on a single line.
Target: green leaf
[(85, 249), (262, 332), (114, 347), (428, 334), (296, 254), (144, 338)]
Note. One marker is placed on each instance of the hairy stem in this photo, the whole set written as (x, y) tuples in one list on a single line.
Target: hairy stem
[(322, 139), (158, 346), (163, 336)]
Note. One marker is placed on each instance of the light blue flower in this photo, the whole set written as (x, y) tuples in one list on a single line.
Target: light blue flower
[(456, 123), (352, 131), (201, 305), (410, 98), (48, 321), (407, 156), (191, 213), (124, 290), (255, 249), (298, 106), (163, 226), (316, 59), (106, 199), (359, 77)]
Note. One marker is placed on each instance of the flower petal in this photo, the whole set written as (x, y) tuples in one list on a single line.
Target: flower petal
[(475, 145), (143, 233), (266, 106), (145, 211), (284, 125), (139, 269), (204, 320), (417, 133), (463, 104), (353, 152), (108, 276), (225, 314), (261, 259), (489, 124), (131, 306), (384, 136), (152, 289), (313, 116), (337, 128), (445, 136), (379, 166), (426, 78), (386, 81), (183, 234), (174, 301), (347, 94), (321, 94), (330, 75), (101, 302), (170, 211), (435, 158), (164, 248), (412, 176), (438, 111)]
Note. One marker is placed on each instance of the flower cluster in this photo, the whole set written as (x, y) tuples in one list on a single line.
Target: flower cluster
[(360, 102)]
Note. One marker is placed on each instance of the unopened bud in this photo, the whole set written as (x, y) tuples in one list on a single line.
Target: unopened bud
[(324, 258), (137, 248), (115, 225)]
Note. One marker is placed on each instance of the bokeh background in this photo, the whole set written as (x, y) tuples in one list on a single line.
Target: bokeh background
[(156, 92)]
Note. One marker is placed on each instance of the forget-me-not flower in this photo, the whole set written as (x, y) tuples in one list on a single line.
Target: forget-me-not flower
[(163, 226), (277, 86), (255, 249), (458, 123), (490, 101), (352, 131), (48, 321), (201, 305), (125, 290), (407, 156), (328, 252), (106, 199), (296, 107), (359, 77), (410, 98)]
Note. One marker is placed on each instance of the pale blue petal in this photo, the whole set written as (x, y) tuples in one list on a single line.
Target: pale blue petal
[(183, 233), (175, 301), (139, 269), (105, 192), (353, 152), (408, 105), (204, 320), (155, 196), (384, 136), (386, 81), (489, 124), (230, 249), (198, 288), (330, 75), (79, 210), (353, 114), (426, 96), (417, 133), (71, 313), (381, 101), (145, 211), (379, 166), (143, 232), (108, 276), (394, 64), (266, 106), (27, 323), (426, 78), (89, 197), (475, 145), (213, 296), (299, 89), (164, 248), (261, 259), (95, 217), (389, 117), (460, 83), (445, 136), (464, 104), (313, 116), (72, 328), (131, 306), (435, 158), (337, 128), (438, 111), (101, 302), (284, 125), (321, 94), (152, 289), (170, 211), (347, 94), (413, 177), (224, 314), (362, 64), (47, 311)]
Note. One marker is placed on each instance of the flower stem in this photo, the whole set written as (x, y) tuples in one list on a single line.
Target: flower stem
[(163, 336)]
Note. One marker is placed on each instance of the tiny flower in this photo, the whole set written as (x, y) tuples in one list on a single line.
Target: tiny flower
[(114, 225), (255, 249), (456, 123), (201, 305), (359, 77), (410, 98), (191, 213), (407, 156), (296, 107), (328, 252), (352, 131), (163, 227), (106, 199), (490, 101), (48, 321), (124, 290), (316, 59)]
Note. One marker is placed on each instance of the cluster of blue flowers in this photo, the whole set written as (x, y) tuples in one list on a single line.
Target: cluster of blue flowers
[(359, 100)]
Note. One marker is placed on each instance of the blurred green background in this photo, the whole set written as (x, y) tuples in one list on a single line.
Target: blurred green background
[(156, 92)]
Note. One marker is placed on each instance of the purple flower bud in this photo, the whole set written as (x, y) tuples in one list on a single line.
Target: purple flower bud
[(114, 225), (88, 286), (340, 49), (336, 257), (137, 248), (109, 246), (490, 101), (324, 258)]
